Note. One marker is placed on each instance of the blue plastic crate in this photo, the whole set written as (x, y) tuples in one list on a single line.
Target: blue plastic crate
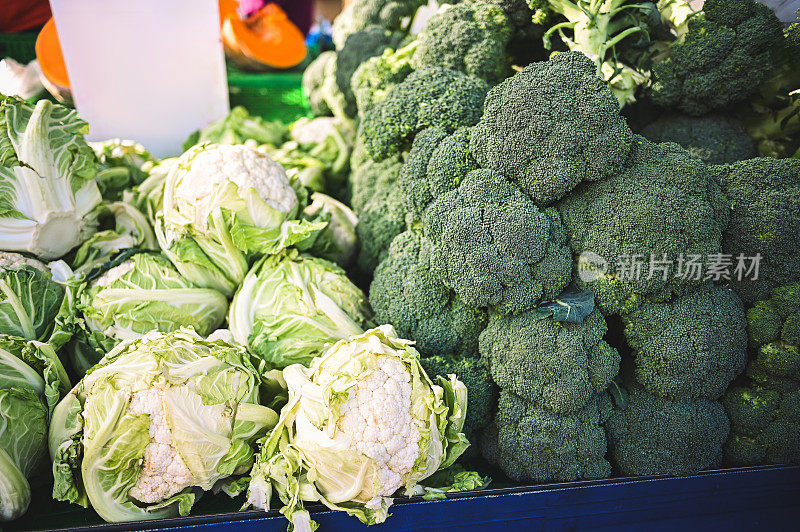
[(764, 498)]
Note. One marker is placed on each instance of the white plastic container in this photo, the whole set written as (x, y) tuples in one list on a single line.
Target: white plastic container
[(148, 70)]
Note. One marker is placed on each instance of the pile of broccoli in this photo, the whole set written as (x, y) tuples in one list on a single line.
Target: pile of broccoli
[(494, 183)]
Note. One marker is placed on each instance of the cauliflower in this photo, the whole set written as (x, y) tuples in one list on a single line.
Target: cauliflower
[(156, 419), (15, 261), (222, 205), (363, 422), (164, 472)]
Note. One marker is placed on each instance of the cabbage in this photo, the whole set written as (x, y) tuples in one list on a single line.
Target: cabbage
[(157, 420), (362, 422), (290, 307), (48, 193), (32, 380)]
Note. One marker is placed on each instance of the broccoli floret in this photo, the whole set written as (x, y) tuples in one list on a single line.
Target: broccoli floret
[(481, 391), (392, 15), (370, 176), (380, 220), (775, 319), (666, 206), (555, 365), (405, 293), (714, 139), (655, 435), (470, 37), (435, 165), (765, 219), (551, 126), (692, 346), (428, 97), (721, 60), (374, 78), (532, 444), (494, 247), (314, 86), (765, 426)]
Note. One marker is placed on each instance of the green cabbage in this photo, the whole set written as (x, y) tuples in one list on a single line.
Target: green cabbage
[(290, 307), (158, 419)]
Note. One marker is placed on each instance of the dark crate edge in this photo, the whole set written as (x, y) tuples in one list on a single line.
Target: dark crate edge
[(735, 499)]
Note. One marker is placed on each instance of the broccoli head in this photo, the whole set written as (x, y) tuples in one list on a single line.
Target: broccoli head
[(765, 426), (314, 83), (655, 435), (374, 78), (532, 444), (405, 293), (481, 391), (368, 177), (392, 15), (765, 411), (692, 346), (380, 220), (665, 208), (714, 139), (551, 126), (555, 365), (428, 97), (435, 165), (470, 37), (359, 46), (765, 220), (721, 60), (494, 247)]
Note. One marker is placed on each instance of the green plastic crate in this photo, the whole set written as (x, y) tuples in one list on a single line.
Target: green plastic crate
[(19, 46), (271, 95)]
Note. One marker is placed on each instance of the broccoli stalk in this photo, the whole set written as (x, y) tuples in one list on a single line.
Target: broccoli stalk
[(596, 28)]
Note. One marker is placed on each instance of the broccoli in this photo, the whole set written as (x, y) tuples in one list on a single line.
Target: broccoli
[(652, 435), (374, 78), (380, 220), (314, 83), (692, 346), (481, 391), (432, 96), (435, 165), (666, 206), (765, 219), (494, 247), (714, 139), (765, 426), (774, 327), (721, 60), (405, 293), (359, 47), (368, 177), (551, 126), (532, 444), (555, 365), (765, 410), (392, 15), (470, 37)]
